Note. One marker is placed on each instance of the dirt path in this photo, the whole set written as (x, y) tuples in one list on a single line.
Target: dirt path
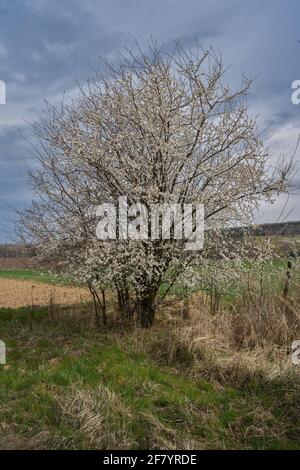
[(17, 293)]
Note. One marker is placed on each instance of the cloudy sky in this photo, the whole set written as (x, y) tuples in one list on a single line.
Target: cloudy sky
[(45, 46)]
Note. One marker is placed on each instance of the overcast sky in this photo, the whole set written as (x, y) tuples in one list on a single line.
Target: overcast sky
[(45, 46)]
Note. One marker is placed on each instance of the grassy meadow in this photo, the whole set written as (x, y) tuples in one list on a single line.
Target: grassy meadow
[(34, 275), (210, 375), (67, 386)]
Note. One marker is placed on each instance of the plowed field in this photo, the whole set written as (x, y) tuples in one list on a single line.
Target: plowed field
[(18, 293)]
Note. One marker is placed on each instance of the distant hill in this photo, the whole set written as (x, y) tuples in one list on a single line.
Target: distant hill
[(16, 256), (281, 229), (12, 250)]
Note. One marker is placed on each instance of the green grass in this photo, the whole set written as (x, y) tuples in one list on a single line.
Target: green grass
[(35, 275), (51, 360), (268, 275)]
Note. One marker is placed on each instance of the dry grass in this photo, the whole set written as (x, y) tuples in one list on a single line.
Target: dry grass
[(252, 323), (254, 337), (232, 345), (100, 416), (11, 440), (161, 436)]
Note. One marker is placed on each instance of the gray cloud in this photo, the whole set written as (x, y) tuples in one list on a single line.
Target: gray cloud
[(45, 45)]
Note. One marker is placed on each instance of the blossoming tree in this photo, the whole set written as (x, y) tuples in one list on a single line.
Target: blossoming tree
[(158, 128)]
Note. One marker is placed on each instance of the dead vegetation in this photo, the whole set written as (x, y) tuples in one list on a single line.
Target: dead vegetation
[(248, 341), (100, 416)]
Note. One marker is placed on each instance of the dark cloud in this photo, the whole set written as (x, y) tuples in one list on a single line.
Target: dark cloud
[(45, 45)]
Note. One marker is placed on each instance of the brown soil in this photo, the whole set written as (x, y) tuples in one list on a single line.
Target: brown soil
[(17, 293)]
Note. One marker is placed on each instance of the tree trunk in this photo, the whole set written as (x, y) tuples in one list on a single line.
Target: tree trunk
[(125, 309), (147, 310), (97, 320)]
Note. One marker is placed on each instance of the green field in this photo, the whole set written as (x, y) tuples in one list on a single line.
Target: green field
[(54, 365), (68, 386), (34, 275)]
